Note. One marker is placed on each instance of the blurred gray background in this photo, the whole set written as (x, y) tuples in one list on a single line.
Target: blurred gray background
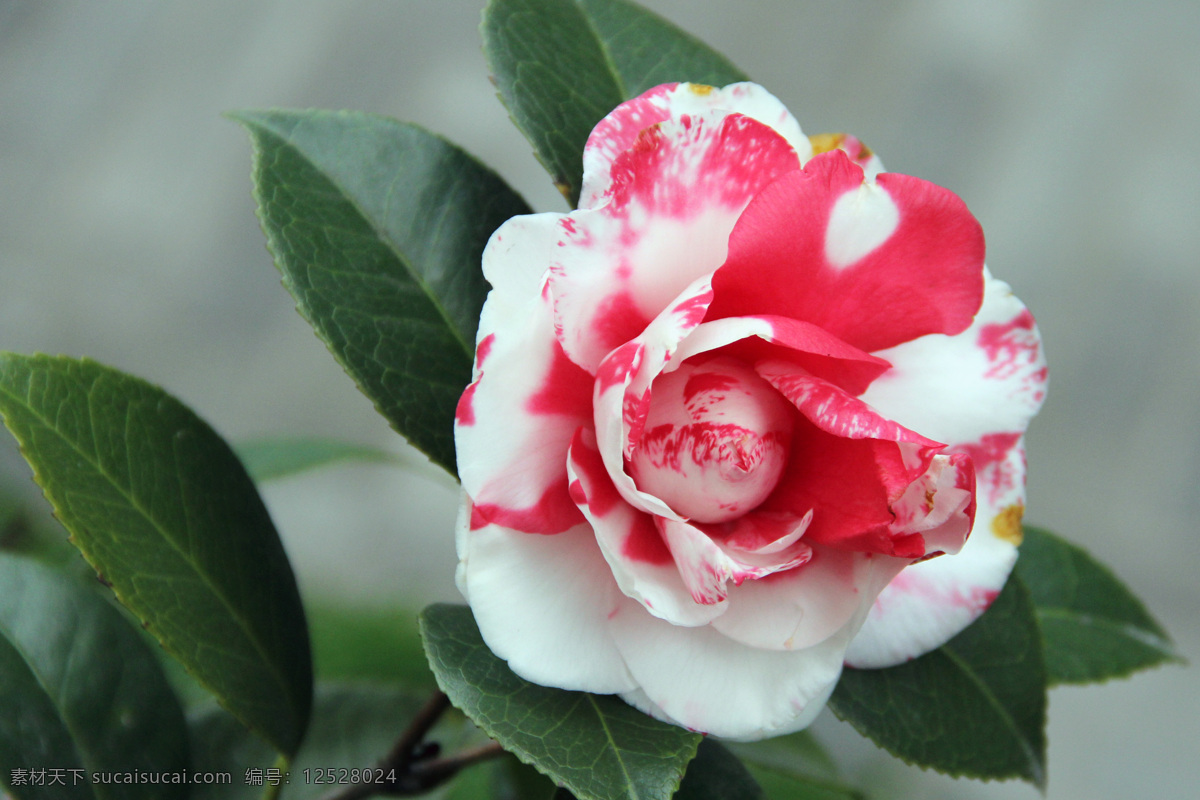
[(127, 233)]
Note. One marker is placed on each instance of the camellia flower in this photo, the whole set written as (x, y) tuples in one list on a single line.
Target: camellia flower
[(725, 414)]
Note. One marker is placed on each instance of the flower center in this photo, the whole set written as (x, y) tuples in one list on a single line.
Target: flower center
[(716, 440)]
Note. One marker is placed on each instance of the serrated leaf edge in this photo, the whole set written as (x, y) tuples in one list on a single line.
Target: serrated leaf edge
[(519, 753)]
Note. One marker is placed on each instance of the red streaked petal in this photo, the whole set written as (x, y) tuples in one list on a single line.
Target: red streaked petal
[(623, 380), (836, 411), (989, 380), (977, 390), (516, 420), (881, 263), (803, 344), (708, 568), (673, 198), (633, 547), (619, 131)]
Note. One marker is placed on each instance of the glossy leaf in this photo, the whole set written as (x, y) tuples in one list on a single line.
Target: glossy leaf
[(974, 707), (1093, 628), (793, 767), (717, 774), (378, 228), (646, 50), (596, 746), (80, 692), (784, 785), (273, 458), (165, 513), (505, 778), (561, 66)]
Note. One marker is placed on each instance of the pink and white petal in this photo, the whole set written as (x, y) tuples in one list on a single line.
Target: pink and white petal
[(881, 263), (986, 381), (622, 388), (810, 347), (514, 425), (619, 131), (707, 568), (665, 221), (515, 421), (803, 607), (542, 604), (940, 505), (639, 559), (836, 411), (930, 602), (698, 678), (851, 486), (977, 390)]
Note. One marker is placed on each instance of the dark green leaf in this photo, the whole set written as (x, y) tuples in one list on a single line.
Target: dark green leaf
[(79, 690), (799, 753), (505, 779), (268, 459), (596, 746), (353, 727), (375, 644), (974, 707), (165, 513), (1093, 628), (717, 774), (378, 228), (647, 50), (784, 785), (794, 767), (562, 65)]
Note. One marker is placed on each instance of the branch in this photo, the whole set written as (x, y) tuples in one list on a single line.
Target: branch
[(414, 764)]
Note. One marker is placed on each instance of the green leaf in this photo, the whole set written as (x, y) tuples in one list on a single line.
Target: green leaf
[(561, 66), (784, 785), (647, 50), (794, 767), (163, 510), (717, 774), (369, 644), (79, 690), (378, 228), (974, 707), (595, 745), (505, 778), (1093, 628), (268, 459), (353, 727)]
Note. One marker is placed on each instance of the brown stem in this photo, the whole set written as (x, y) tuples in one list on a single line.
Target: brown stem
[(407, 761), (431, 773)]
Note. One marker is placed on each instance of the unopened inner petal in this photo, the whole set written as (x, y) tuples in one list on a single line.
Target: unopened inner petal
[(716, 440)]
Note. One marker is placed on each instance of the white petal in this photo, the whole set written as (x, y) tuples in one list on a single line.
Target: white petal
[(704, 681), (804, 606), (542, 604)]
